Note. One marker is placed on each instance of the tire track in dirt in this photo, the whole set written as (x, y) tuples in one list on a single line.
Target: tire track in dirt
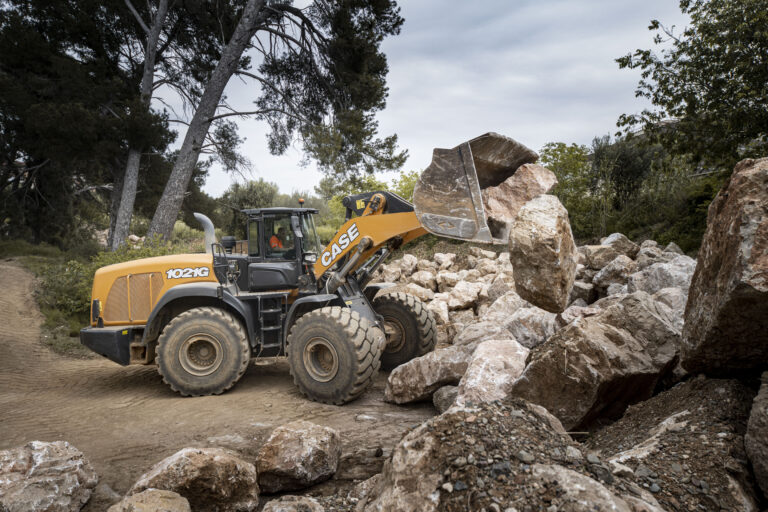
[(125, 419)]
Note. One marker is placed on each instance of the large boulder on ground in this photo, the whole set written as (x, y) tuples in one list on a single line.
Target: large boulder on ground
[(298, 455), (584, 291), (674, 299), (598, 365), (675, 273), (543, 253), (209, 478), (444, 398), (615, 272), (621, 244), (503, 307), (152, 500), (494, 366), (503, 201), (685, 445), (498, 456), (417, 379), (439, 308), (407, 264), (531, 326), (726, 318), (423, 294), (484, 330), (293, 504), (756, 440), (598, 256), (47, 477)]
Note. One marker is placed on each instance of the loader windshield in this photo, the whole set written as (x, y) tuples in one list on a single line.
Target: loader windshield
[(310, 242)]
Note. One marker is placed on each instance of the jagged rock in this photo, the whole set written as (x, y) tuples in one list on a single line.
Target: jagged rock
[(462, 317), (486, 266), (495, 364), (648, 243), (209, 478), (417, 291), (616, 289), (502, 283), (688, 441), (444, 398), (673, 247), (390, 273), (676, 273), (417, 379), (504, 201), (615, 272), (503, 307), (427, 265), (543, 253), (439, 308), (531, 326), (475, 458), (756, 439), (575, 312), (293, 504), (472, 275), (444, 260), (481, 331), (446, 280), (726, 318), (584, 291), (675, 299), (298, 455), (47, 477), (152, 500), (477, 252), (407, 264), (579, 492), (621, 244), (600, 364), (598, 256), (425, 279), (464, 295)]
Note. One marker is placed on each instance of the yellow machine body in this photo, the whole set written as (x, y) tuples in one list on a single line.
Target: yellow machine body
[(126, 293)]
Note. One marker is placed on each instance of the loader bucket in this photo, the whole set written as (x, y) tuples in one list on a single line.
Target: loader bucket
[(448, 198)]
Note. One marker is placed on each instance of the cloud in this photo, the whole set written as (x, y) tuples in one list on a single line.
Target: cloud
[(538, 71)]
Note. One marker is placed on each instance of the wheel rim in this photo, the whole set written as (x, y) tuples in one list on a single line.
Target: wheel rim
[(201, 354), (395, 333), (321, 359)]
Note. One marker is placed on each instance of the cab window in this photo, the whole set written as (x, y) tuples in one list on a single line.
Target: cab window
[(278, 238), (253, 238)]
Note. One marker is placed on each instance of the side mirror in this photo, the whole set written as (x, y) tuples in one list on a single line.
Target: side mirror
[(310, 257)]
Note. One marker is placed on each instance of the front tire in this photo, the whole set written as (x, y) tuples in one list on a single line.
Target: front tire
[(203, 351), (333, 354), (410, 328)]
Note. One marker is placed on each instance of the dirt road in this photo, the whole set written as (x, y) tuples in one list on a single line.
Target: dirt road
[(125, 419)]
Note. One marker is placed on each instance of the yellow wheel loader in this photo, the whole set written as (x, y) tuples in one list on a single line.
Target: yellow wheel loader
[(202, 317)]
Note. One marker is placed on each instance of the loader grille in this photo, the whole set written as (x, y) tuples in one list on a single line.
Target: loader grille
[(131, 297)]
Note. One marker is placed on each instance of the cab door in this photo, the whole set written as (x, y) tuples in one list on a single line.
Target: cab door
[(276, 265)]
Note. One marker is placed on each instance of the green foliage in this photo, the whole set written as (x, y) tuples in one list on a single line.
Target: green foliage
[(253, 194), (403, 185), (708, 84)]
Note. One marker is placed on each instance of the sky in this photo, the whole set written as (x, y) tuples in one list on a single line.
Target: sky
[(537, 71)]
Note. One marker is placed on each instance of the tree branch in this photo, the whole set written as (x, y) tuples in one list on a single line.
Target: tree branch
[(137, 16)]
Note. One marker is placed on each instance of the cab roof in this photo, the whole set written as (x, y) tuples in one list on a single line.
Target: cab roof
[(278, 210)]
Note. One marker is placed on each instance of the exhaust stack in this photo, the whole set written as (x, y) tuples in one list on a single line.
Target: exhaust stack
[(210, 233)]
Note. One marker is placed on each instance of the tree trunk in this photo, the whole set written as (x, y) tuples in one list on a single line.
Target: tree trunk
[(173, 195), (117, 192), (131, 177)]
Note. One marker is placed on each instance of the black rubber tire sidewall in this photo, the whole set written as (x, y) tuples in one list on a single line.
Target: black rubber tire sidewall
[(217, 323), (388, 306)]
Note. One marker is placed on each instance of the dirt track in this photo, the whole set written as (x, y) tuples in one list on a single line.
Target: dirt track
[(125, 419)]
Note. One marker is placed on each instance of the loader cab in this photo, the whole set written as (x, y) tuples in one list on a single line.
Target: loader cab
[(282, 246)]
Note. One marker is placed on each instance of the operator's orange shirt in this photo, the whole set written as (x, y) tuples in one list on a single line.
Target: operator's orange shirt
[(275, 242)]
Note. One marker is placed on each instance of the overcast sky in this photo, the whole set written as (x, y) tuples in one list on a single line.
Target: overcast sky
[(537, 71)]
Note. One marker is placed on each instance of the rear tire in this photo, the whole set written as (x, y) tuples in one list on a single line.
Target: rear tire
[(333, 354), (203, 351), (409, 326)]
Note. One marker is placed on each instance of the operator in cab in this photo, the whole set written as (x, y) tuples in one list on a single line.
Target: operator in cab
[(276, 242)]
